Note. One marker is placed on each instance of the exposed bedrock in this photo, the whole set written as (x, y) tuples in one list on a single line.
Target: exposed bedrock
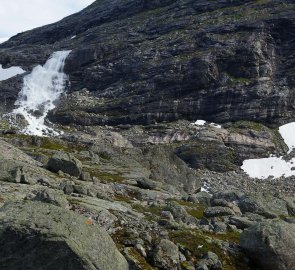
[(167, 60)]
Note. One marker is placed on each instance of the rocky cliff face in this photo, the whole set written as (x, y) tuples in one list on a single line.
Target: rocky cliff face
[(147, 61)]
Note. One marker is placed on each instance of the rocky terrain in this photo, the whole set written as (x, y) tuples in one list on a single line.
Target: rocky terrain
[(131, 182), (118, 198)]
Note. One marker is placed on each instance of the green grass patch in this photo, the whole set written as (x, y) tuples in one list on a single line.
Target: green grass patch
[(199, 244), (142, 263), (153, 209), (194, 209), (106, 176), (197, 212), (248, 125)]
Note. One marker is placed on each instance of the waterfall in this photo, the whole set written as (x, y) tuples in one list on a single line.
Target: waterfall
[(40, 90)]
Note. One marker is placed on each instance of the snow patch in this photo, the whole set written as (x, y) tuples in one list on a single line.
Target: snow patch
[(267, 167), (274, 166), (7, 73), (206, 187), (203, 122), (199, 123), (215, 125), (288, 133)]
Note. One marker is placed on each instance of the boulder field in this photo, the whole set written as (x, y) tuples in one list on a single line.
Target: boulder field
[(134, 207)]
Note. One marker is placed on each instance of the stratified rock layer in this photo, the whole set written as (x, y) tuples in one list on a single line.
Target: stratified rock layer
[(146, 61)]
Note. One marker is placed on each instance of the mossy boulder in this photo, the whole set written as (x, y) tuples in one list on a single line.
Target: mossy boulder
[(36, 235)]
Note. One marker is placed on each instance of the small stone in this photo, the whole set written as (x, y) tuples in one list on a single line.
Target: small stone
[(67, 187), (80, 189), (85, 176), (167, 215)]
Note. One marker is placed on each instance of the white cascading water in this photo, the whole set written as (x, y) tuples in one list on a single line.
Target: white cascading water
[(40, 90)]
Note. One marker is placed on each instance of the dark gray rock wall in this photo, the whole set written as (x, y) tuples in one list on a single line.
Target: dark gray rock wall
[(147, 61)]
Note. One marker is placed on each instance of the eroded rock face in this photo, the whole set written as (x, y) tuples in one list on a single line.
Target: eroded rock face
[(271, 244), (167, 60), (35, 235)]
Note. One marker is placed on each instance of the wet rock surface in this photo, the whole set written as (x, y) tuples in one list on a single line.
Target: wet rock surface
[(169, 60)]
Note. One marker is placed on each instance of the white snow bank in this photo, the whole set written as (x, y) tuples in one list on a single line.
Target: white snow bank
[(288, 133), (274, 166), (8, 73), (199, 123), (203, 122), (215, 125), (265, 167), (206, 187)]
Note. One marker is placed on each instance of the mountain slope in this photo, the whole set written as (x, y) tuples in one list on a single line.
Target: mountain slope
[(146, 61)]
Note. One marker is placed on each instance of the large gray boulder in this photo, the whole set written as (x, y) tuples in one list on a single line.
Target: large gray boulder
[(271, 244), (166, 255), (66, 163), (18, 167), (36, 235)]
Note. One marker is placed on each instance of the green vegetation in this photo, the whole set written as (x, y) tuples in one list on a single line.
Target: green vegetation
[(199, 244), (197, 212), (139, 259), (194, 209), (104, 155), (106, 176), (51, 144), (153, 209), (122, 198), (248, 125)]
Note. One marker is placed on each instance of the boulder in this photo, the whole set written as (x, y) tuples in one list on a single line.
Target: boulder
[(66, 163), (166, 255), (146, 183), (210, 261), (229, 195), (271, 244), (202, 197), (217, 211), (36, 235), (240, 222), (18, 167), (179, 213)]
